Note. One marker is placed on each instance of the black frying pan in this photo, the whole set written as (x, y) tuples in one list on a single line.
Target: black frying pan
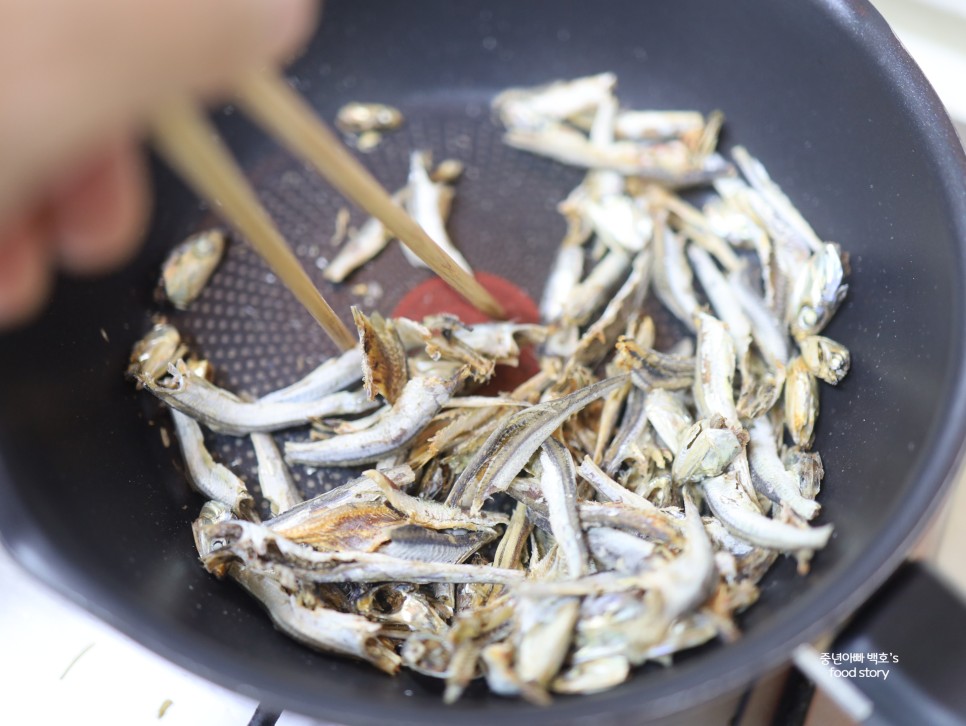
[(821, 91)]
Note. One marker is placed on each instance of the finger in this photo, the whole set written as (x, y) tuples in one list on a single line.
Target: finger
[(25, 271), (97, 216), (74, 73), (200, 46)]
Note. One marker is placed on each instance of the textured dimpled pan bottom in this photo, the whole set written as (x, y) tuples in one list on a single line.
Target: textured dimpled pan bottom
[(258, 337)]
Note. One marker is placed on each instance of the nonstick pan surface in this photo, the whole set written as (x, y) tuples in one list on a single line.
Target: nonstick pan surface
[(821, 91)]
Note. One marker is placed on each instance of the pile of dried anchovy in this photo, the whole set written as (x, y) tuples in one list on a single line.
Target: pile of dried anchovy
[(617, 507)]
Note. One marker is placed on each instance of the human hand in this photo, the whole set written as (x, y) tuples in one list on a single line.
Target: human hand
[(77, 82)]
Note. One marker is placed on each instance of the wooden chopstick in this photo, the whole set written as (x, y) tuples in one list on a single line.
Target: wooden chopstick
[(268, 99), (190, 144)]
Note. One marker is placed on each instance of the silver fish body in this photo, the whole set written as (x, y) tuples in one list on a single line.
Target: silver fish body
[(357, 118), (610, 489), (367, 242), (632, 428), (669, 162), (274, 478), (654, 125), (333, 375), (189, 266), (224, 412), (795, 224), (766, 329), (614, 549), (593, 676), (726, 219), (565, 274), (153, 353), (602, 184), (500, 341), (620, 222), (432, 514), (590, 295), (652, 369), (724, 541), (545, 631), (636, 515), (421, 399), (263, 551), (559, 485), (687, 580), (722, 297), (454, 546), (714, 370), (207, 476), (423, 205), (501, 678), (669, 417), (825, 358), (673, 279), (773, 257), (531, 107), (769, 474), (801, 403), (730, 504), (687, 632), (358, 490), (819, 290), (509, 448), (401, 605), (319, 628), (599, 338)]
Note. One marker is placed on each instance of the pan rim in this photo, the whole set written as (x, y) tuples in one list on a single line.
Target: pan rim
[(721, 671)]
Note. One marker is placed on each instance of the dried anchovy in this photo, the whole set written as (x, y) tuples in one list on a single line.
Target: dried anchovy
[(221, 411), (602, 566), (507, 451), (420, 400)]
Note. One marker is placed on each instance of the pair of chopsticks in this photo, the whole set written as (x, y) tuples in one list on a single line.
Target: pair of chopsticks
[(190, 144)]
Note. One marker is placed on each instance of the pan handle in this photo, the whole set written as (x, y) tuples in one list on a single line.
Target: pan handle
[(905, 650)]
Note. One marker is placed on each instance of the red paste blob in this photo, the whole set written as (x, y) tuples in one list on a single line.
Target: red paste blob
[(434, 297)]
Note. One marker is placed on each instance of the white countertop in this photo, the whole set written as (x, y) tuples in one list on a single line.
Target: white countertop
[(61, 665)]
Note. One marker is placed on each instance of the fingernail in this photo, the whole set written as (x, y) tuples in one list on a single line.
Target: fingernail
[(96, 216), (290, 24), (25, 276)]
